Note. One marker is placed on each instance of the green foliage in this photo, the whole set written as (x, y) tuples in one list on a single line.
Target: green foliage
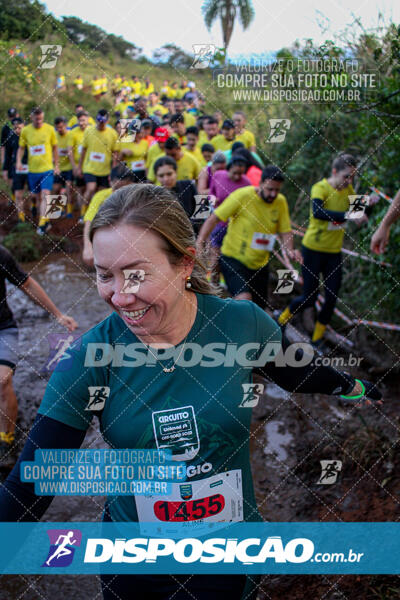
[(92, 37), (24, 243), (173, 55), (25, 19)]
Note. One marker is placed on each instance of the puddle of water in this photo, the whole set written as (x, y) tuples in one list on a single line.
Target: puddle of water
[(275, 392), (276, 440)]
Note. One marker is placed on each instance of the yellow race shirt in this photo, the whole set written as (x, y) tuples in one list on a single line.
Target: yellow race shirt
[(146, 91), (153, 153), (253, 225), (99, 147), (137, 160), (121, 108), (75, 141), (326, 236), (187, 168), (63, 141), (40, 144), (247, 138), (196, 153), (103, 85), (136, 87), (96, 202), (190, 120), (78, 82), (221, 143), (157, 107), (116, 84), (203, 139)]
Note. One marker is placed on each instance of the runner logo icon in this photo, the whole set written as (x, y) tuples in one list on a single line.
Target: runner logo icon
[(63, 543), (98, 396), (286, 281), (279, 129), (357, 207), (55, 205), (251, 394), (203, 55), (329, 471), (50, 55)]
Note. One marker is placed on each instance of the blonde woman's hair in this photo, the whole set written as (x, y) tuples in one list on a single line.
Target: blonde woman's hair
[(156, 209)]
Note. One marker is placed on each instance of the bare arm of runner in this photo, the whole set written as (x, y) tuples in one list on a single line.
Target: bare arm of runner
[(55, 159), (39, 296), (81, 159), (205, 231), (18, 162), (287, 244), (202, 182), (380, 239)]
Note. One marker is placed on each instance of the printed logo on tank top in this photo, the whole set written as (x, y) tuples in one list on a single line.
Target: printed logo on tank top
[(176, 429)]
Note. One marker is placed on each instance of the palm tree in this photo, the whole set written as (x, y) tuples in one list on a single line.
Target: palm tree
[(227, 10)]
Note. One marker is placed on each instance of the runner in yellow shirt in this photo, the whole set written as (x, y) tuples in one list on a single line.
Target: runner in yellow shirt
[(63, 181), (161, 135), (190, 120), (40, 139), (154, 106), (188, 167), (177, 123), (147, 88), (98, 150), (322, 244), (74, 152), (243, 135), (224, 140), (136, 86), (78, 82), (132, 153), (192, 138), (116, 84), (73, 122), (122, 106), (96, 87), (256, 216), (103, 85)]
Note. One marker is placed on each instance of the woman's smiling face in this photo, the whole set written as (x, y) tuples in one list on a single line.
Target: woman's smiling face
[(159, 285)]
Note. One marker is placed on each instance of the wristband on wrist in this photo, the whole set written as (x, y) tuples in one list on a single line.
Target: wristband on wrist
[(359, 395)]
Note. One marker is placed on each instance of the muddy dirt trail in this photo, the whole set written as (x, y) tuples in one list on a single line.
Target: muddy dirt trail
[(290, 435)]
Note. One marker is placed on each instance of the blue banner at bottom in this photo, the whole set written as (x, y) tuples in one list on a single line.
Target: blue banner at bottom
[(214, 548)]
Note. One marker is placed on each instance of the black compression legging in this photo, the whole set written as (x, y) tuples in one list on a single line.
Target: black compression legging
[(330, 265)]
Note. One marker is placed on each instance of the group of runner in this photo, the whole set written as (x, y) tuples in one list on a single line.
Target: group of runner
[(201, 191)]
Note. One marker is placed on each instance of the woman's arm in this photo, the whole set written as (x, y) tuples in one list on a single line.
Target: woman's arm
[(18, 501)]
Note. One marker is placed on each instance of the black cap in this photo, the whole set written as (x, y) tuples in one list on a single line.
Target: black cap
[(12, 112)]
